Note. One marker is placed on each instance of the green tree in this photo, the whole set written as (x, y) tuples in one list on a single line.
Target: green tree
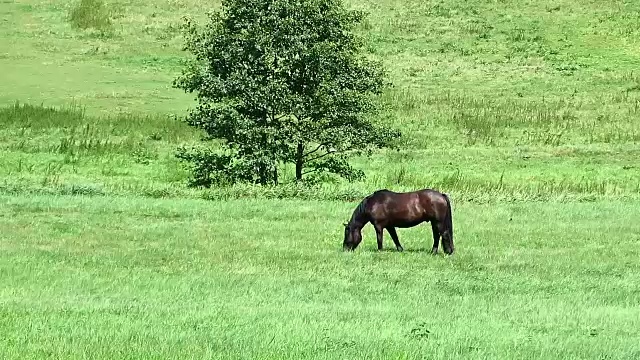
[(281, 81)]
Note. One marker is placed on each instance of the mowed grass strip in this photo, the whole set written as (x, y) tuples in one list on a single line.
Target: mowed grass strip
[(105, 277)]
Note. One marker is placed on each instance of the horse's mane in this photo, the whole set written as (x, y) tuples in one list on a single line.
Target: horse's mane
[(361, 208)]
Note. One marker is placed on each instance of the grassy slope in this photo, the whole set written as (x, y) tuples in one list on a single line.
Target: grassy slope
[(519, 100)]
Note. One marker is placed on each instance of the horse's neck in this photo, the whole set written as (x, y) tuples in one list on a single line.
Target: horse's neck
[(357, 225), (358, 220)]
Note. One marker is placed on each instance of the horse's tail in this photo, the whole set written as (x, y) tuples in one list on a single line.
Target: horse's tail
[(448, 219)]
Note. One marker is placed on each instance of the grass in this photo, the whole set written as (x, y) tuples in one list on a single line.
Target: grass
[(525, 113), (138, 278)]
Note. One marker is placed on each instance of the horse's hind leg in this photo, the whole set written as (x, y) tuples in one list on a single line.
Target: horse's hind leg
[(447, 242), (394, 237), (436, 237)]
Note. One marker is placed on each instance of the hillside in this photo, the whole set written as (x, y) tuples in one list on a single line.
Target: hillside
[(524, 100)]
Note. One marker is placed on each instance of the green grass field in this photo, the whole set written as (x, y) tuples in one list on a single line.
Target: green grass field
[(526, 113)]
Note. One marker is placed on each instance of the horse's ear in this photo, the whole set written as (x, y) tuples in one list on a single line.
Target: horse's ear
[(345, 224)]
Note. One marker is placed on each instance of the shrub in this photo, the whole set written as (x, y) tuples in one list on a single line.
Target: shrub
[(91, 14)]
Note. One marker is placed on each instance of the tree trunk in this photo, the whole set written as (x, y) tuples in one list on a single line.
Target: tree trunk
[(275, 176), (299, 161), (262, 174)]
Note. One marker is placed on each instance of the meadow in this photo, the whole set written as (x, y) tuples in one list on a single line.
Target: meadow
[(525, 112)]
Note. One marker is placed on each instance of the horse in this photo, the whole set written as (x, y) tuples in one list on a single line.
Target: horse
[(386, 209)]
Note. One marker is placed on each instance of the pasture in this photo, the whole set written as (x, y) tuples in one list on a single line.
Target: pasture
[(525, 113)]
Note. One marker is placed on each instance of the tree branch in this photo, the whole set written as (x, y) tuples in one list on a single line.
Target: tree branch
[(326, 154), (314, 150), (276, 118)]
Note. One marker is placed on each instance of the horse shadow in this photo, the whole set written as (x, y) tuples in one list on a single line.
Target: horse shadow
[(394, 250)]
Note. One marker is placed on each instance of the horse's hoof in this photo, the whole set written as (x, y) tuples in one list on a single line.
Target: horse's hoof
[(434, 251), (400, 249)]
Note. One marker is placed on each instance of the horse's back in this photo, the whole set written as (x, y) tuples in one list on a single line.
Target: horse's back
[(431, 203), (433, 196), (426, 195), (381, 192)]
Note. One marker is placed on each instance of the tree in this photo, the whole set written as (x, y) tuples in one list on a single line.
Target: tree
[(281, 81)]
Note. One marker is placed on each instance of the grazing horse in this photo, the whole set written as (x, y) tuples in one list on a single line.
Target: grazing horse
[(386, 209)]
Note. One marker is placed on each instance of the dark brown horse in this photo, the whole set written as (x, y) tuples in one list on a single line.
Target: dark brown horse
[(386, 209)]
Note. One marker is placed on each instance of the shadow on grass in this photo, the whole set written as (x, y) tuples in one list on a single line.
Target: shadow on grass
[(374, 249)]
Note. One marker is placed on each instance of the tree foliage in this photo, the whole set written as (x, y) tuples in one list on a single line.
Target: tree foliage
[(281, 81)]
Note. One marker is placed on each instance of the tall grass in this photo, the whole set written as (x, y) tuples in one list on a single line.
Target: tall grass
[(67, 152), (72, 118), (493, 121)]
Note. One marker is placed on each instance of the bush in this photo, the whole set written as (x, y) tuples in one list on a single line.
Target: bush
[(91, 14)]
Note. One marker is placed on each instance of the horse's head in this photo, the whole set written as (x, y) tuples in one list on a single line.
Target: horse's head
[(347, 238), (352, 238)]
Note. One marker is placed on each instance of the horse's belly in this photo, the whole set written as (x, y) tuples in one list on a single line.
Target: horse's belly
[(407, 224)]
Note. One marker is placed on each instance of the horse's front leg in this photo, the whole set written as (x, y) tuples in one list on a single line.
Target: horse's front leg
[(379, 235)]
